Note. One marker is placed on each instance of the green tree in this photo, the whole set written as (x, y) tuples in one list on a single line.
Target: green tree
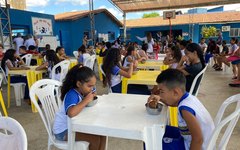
[(209, 31), (150, 15)]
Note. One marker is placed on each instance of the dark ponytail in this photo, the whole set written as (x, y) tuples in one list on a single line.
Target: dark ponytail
[(77, 73), (195, 47)]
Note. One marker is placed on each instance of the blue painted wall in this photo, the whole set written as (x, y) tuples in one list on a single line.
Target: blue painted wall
[(20, 18), (71, 32), (141, 32)]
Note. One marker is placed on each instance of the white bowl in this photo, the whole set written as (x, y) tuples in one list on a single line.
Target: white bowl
[(93, 102), (154, 111)]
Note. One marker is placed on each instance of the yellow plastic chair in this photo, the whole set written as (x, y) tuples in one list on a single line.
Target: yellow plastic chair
[(1, 98), (100, 61)]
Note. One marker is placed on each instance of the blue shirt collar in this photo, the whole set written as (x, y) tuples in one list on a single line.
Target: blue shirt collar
[(79, 94), (183, 97)]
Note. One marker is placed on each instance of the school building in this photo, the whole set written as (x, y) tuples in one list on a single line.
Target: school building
[(226, 22)]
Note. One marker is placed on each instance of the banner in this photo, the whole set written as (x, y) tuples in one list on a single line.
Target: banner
[(42, 26)]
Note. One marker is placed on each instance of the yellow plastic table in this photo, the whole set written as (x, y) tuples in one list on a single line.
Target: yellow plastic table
[(100, 61), (150, 65), (39, 60), (32, 76), (148, 78)]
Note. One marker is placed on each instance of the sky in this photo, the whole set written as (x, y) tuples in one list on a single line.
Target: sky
[(60, 6)]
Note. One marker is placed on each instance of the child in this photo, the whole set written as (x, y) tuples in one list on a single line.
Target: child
[(221, 56), (52, 60), (83, 55), (194, 56), (194, 121), (113, 71), (143, 52), (76, 93), (11, 61), (130, 56), (173, 57), (61, 53)]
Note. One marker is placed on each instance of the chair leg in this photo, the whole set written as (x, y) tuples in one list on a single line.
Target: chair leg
[(49, 144), (3, 105)]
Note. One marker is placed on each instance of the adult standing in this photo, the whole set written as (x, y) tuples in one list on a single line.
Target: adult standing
[(85, 41), (29, 41), (148, 40), (18, 41)]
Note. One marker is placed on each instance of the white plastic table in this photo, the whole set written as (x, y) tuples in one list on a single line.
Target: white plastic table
[(121, 116)]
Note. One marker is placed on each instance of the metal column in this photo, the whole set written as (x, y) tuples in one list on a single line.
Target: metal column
[(124, 27), (92, 21), (5, 25)]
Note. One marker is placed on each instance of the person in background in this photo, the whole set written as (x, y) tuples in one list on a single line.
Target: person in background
[(83, 55), (22, 51), (85, 40), (148, 40), (173, 57), (211, 50), (195, 124), (18, 41), (29, 41), (76, 92), (183, 45), (61, 53), (194, 55), (130, 56), (143, 52), (221, 56), (1, 52), (203, 45), (156, 49), (47, 47), (104, 50)]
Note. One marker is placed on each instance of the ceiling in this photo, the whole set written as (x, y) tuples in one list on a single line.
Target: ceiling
[(148, 5)]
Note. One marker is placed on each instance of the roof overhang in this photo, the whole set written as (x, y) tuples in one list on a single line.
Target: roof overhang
[(149, 5)]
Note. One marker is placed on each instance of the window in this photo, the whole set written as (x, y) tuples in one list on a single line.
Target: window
[(111, 36), (23, 32), (234, 32)]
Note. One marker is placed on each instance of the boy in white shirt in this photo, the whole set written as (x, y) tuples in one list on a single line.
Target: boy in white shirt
[(194, 122)]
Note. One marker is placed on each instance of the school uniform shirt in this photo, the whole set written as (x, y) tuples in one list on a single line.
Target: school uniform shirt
[(126, 62), (203, 46), (193, 70), (150, 43), (115, 76), (183, 52), (191, 104), (72, 98)]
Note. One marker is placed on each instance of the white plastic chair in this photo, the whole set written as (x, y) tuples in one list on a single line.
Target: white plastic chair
[(194, 90), (28, 58), (75, 53), (232, 119), (59, 76), (92, 61), (12, 135), (45, 91), (18, 89), (103, 73)]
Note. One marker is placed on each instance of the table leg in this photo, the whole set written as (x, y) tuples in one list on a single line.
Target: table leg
[(124, 86), (31, 77), (173, 116), (71, 135), (9, 90), (3, 105)]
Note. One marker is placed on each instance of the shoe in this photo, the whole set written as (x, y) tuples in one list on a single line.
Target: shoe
[(215, 65), (234, 77), (28, 101), (234, 84)]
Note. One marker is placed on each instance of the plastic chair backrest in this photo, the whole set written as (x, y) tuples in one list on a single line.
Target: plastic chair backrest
[(28, 58), (45, 91), (87, 61), (196, 82), (91, 64), (232, 120), (219, 122), (75, 53), (64, 67), (15, 138), (4, 75)]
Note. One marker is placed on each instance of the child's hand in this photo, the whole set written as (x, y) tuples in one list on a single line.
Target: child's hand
[(88, 98), (155, 98), (25, 68), (184, 58)]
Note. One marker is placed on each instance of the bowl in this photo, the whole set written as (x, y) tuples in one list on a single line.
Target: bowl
[(143, 61), (154, 111), (93, 102)]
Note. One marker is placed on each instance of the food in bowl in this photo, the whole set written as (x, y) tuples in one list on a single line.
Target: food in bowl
[(154, 109), (143, 61)]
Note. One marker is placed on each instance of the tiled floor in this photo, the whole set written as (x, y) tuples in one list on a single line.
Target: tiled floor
[(213, 91)]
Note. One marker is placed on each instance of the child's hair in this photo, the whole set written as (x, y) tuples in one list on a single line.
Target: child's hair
[(8, 55), (47, 46), (195, 47), (32, 47), (52, 57), (112, 59), (177, 55), (145, 47), (224, 42), (235, 40), (129, 52), (184, 43), (1, 45), (23, 47), (82, 49), (172, 78), (77, 73), (108, 45), (58, 49)]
